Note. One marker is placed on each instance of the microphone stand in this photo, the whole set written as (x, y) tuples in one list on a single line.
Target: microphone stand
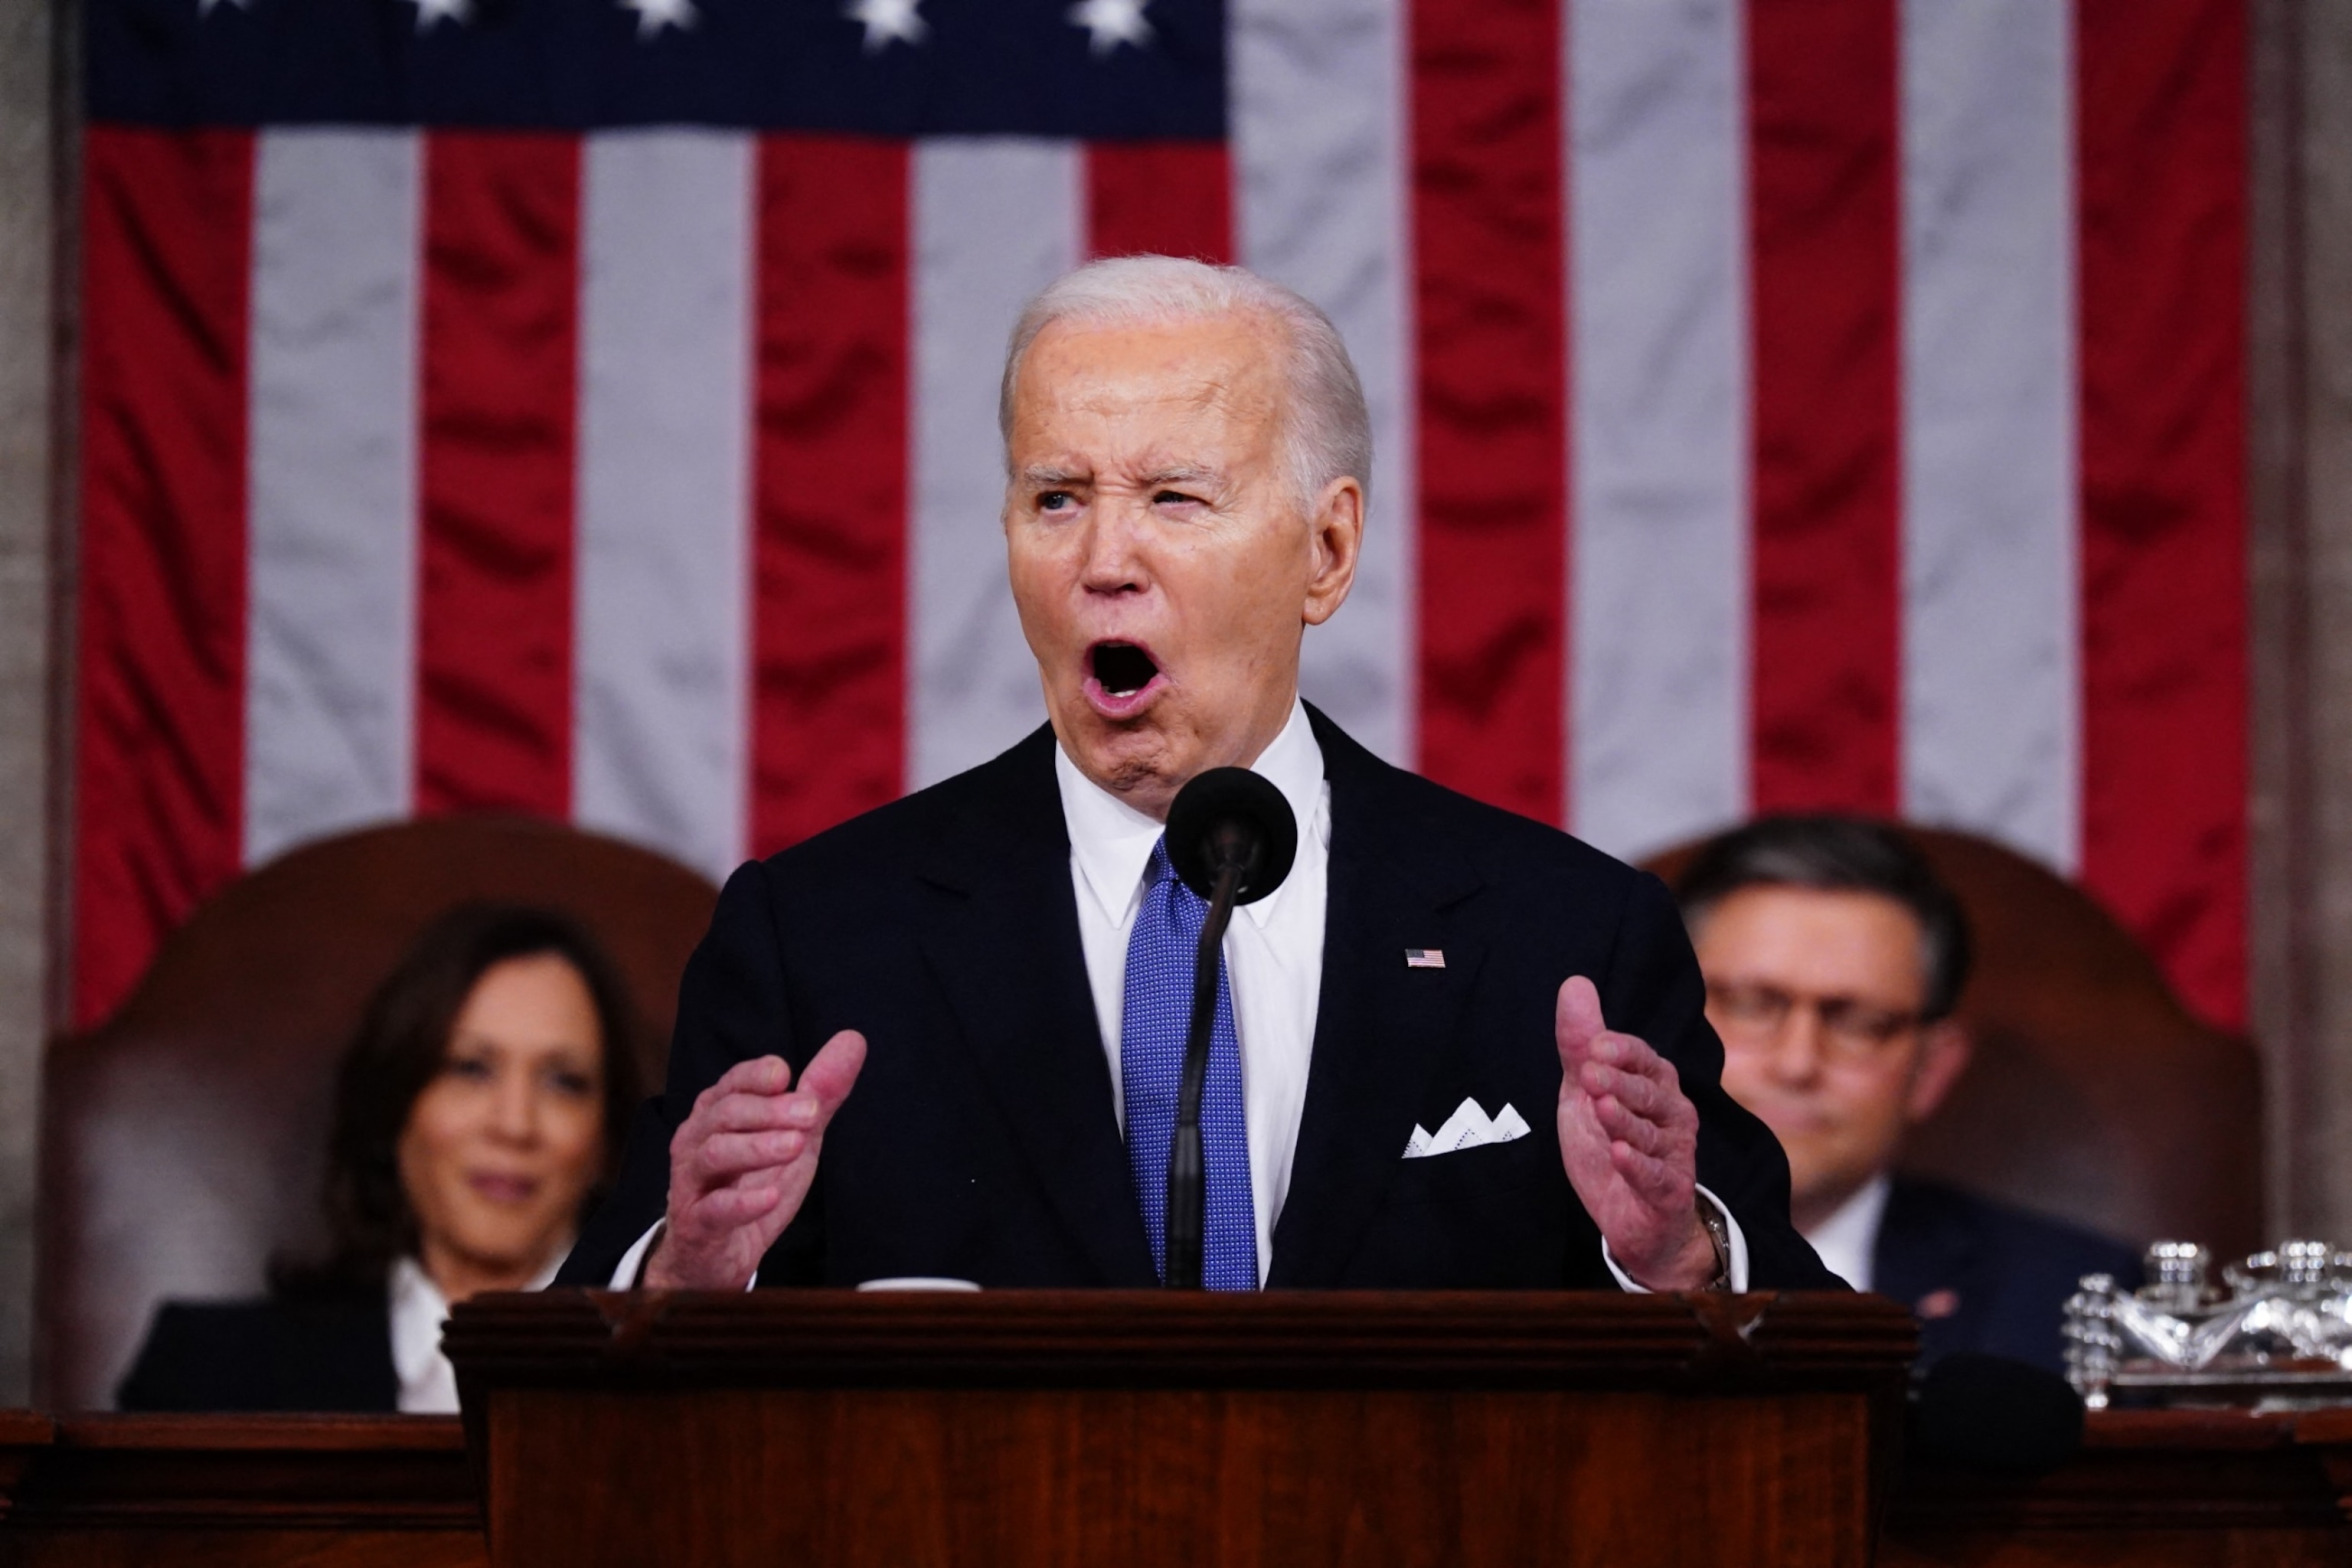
[(1187, 1171)]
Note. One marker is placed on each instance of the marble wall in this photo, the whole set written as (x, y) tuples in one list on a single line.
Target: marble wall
[(30, 344), (2300, 301)]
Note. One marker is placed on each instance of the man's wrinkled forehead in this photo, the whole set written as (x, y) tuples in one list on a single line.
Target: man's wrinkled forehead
[(1182, 371), (1777, 912)]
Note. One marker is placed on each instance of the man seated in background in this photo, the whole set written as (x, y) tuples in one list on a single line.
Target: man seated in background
[(1834, 958)]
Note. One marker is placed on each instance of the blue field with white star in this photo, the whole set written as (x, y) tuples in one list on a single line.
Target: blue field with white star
[(1095, 69)]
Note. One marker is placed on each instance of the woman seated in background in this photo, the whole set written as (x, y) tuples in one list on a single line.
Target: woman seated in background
[(478, 1110)]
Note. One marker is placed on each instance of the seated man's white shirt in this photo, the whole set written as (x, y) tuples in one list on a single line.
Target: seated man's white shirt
[(1848, 1239), (1273, 965), (428, 1383)]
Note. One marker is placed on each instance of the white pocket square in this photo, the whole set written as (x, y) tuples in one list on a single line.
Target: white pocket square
[(1468, 1128)]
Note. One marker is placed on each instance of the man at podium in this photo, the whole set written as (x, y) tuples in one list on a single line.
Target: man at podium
[(1453, 1049)]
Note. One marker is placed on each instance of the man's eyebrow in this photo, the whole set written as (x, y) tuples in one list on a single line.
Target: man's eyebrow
[(1183, 474), (1044, 478)]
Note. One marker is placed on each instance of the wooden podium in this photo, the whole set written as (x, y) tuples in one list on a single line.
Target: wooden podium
[(1139, 1429)]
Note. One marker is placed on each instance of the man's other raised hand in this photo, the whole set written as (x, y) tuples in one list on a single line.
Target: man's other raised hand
[(1629, 1137), (742, 1162)]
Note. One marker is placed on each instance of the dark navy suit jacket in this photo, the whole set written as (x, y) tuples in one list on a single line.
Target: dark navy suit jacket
[(331, 1353), (1983, 1276), (981, 1141)]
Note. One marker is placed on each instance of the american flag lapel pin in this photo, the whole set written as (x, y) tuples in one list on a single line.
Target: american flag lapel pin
[(1424, 958)]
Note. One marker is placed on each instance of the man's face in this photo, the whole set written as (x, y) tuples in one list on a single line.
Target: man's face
[(1817, 998), (1164, 568)]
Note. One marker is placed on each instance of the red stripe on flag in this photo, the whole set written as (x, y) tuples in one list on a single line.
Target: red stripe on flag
[(1826, 291), (1491, 336), (2161, 143), (494, 595), (830, 474), (160, 713), (1172, 198)]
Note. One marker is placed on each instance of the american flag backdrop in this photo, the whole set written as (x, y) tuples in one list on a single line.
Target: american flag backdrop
[(586, 407)]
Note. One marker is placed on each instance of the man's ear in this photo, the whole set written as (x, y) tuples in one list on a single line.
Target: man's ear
[(1944, 1050), (1337, 540)]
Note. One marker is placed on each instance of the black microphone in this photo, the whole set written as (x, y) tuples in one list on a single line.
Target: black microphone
[(1991, 1413), (1231, 838)]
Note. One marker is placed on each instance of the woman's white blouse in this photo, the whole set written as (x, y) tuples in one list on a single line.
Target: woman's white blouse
[(428, 1383)]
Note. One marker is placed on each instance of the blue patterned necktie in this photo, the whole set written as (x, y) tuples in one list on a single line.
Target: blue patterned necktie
[(1158, 1005)]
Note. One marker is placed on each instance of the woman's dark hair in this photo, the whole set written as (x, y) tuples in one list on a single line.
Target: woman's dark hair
[(1837, 854), (401, 1043)]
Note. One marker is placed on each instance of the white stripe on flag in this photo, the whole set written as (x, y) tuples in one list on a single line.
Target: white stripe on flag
[(994, 222), (1658, 451), (331, 569), (1990, 671), (1318, 133), (661, 706)]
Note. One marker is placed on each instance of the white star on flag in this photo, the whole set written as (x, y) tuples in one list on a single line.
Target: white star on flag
[(431, 11), (1110, 23), (654, 15), (888, 21)]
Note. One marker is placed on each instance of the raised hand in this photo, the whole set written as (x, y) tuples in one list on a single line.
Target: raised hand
[(1630, 1141), (741, 1164)]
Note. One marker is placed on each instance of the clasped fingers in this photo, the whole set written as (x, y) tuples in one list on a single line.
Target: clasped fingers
[(740, 1112), (726, 1155), (755, 1121), (1632, 1057)]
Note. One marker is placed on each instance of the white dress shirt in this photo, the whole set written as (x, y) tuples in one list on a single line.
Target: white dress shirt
[(1273, 948), (1273, 965), (1848, 1238), (428, 1383), (1273, 961)]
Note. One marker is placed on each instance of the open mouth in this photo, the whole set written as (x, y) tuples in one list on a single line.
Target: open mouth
[(1122, 669)]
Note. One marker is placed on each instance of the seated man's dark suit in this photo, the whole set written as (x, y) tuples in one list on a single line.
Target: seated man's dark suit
[(301, 1353), (1983, 1276), (982, 1142)]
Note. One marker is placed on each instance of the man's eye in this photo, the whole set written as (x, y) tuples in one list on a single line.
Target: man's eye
[(1055, 501), (1172, 498)]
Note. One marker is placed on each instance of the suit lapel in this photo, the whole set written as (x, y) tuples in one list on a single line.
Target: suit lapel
[(1003, 939), (1380, 1027)]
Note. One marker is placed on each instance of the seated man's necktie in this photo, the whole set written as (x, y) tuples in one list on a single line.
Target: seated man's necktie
[(1158, 1005)]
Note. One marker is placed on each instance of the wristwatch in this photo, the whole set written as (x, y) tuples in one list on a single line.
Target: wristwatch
[(1719, 1236)]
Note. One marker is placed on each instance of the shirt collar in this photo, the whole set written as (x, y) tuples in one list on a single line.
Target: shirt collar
[(419, 1309), (1112, 841), (1847, 1239)]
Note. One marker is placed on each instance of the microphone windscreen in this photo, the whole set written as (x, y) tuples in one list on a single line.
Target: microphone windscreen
[(1992, 1413), (1232, 798)]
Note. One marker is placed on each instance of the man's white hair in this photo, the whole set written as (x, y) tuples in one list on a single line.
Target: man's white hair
[(1329, 435)]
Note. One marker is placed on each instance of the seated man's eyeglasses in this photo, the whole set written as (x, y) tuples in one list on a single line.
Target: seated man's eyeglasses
[(1754, 1017)]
